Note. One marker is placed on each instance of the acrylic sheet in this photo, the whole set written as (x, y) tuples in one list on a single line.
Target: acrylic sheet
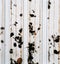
[(29, 31)]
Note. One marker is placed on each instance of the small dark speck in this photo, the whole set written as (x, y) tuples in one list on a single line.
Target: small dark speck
[(38, 46), (39, 28), (33, 11), (19, 34), (40, 41), (49, 40), (10, 7), (2, 41), (56, 52), (32, 32), (16, 23), (12, 61), (15, 5), (11, 51), (19, 46), (30, 0), (20, 30), (37, 63), (48, 6), (52, 36), (2, 28), (57, 39), (39, 24), (30, 23), (21, 15), (12, 34), (48, 18), (50, 43), (32, 15), (15, 44), (49, 2)]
